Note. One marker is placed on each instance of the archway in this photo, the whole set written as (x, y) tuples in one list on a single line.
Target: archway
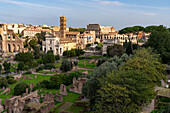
[(14, 48), (9, 48)]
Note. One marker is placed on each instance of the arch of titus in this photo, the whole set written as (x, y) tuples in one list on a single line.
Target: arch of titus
[(10, 42)]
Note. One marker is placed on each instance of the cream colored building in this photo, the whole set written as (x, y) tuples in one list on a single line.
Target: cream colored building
[(53, 43), (31, 32), (9, 41)]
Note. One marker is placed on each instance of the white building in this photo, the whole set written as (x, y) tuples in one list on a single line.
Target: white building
[(53, 43)]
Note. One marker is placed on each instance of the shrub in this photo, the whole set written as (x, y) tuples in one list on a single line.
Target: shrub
[(3, 82), (49, 66), (20, 88), (70, 77), (26, 68), (45, 84), (28, 72), (11, 81), (57, 57), (101, 61), (39, 68), (20, 66), (75, 63), (66, 65)]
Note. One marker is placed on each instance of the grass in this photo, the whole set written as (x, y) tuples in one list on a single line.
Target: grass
[(87, 65), (15, 65), (75, 109), (28, 81), (84, 71)]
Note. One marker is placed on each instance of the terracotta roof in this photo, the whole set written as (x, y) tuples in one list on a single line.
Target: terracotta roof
[(65, 40)]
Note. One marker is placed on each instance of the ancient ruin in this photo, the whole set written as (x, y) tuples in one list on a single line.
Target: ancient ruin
[(77, 85), (63, 90)]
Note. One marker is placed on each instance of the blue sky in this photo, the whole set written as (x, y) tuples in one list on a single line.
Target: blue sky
[(79, 13)]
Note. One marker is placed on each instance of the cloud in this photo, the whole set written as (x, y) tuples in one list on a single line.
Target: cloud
[(115, 3), (149, 14), (30, 4)]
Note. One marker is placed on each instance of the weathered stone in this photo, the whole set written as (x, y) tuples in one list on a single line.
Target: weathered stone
[(59, 98), (63, 90), (77, 85)]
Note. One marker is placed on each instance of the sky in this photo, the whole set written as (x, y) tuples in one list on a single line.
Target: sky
[(79, 13)]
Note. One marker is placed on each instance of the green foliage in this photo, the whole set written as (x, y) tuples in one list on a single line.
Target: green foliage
[(66, 65), (48, 58), (0, 68), (57, 57), (150, 29), (95, 42), (11, 81), (145, 60), (20, 88), (129, 47), (20, 66), (57, 80), (125, 91), (88, 45), (81, 30), (101, 61), (115, 50), (90, 90), (160, 42), (39, 68), (7, 66), (41, 37), (49, 66), (3, 82), (37, 52), (69, 78), (33, 43), (45, 84), (26, 68), (24, 57), (131, 29), (75, 62), (89, 57)]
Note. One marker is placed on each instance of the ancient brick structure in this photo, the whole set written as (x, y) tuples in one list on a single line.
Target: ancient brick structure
[(63, 90), (77, 85), (48, 97), (59, 98)]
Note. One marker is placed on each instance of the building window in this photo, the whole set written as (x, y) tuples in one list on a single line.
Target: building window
[(50, 41)]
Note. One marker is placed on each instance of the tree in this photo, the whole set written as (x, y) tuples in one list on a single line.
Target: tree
[(57, 57), (3, 82), (33, 43), (20, 66), (48, 58), (90, 90), (41, 37), (115, 50), (7, 66), (66, 65), (69, 79), (147, 61), (160, 42), (20, 88), (101, 61), (0, 68), (37, 52), (24, 57), (124, 91), (57, 80)]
